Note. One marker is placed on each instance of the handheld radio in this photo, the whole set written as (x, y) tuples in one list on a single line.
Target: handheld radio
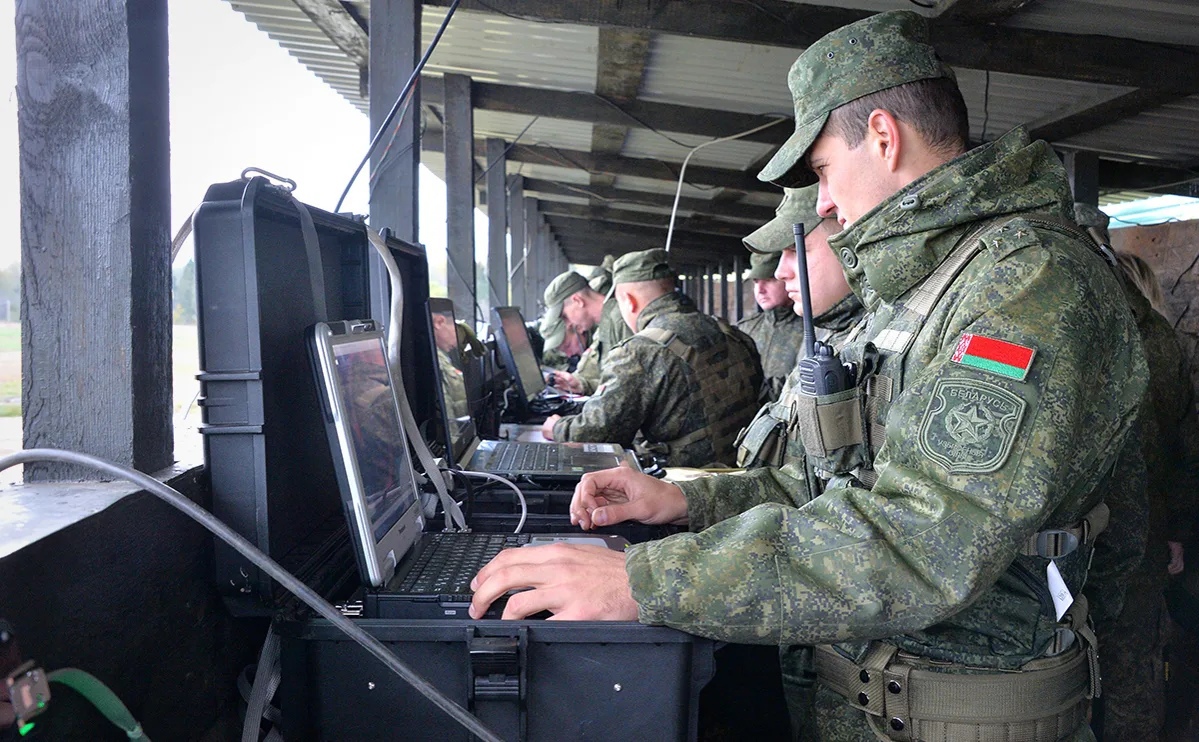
[(820, 371)]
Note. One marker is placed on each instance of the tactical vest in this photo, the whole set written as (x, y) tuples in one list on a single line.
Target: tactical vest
[(720, 370), (903, 695)]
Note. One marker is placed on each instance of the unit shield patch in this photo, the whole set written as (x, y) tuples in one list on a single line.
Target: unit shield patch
[(969, 425)]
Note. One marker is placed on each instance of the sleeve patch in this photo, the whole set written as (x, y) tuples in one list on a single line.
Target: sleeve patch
[(970, 426)]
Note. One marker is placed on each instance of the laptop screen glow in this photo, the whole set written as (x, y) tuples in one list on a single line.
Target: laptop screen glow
[(373, 427)]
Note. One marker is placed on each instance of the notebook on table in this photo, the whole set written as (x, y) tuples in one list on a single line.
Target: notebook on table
[(545, 460), (408, 573)]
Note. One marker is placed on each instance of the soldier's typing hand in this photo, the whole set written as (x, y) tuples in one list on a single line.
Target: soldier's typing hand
[(566, 382), (611, 496), (573, 582), (547, 427)]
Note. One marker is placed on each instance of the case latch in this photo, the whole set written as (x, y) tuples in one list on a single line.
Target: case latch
[(495, 667)]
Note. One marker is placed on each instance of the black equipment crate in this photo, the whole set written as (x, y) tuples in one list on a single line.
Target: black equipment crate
[(264, 442), (526, 680), (273, 481)]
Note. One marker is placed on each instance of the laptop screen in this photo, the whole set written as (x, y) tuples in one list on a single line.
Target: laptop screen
[(374, 428), (453, 392), (513, 340)]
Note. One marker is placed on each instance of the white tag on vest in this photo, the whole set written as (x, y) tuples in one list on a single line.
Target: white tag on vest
[(1062, 599)]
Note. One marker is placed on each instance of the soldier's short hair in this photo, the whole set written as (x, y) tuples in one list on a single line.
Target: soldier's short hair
[(934, 108)]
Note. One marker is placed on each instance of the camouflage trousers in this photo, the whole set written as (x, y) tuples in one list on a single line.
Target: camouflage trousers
[(1130, 656), (799, 688)]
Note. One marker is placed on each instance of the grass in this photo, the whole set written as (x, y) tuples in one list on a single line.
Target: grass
[(10, 337)]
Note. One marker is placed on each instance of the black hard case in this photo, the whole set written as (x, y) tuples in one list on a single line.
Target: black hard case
[(273, 481)]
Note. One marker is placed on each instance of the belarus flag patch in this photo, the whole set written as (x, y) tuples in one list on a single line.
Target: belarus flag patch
[(997, 356)]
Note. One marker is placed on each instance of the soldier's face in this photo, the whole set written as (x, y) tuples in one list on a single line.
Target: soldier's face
[(575, 312), (852, 181), (770, 293), (827, 280), (444, 332)]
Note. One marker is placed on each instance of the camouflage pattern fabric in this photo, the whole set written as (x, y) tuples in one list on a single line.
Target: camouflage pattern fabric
[(778, 333), (609, 333), (1132, 645), (973, 462), (645, 387), (453, 386)]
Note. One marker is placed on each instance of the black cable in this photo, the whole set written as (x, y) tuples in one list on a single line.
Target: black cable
[(927, 6), (266, 564), (420, 66), (507, 149)]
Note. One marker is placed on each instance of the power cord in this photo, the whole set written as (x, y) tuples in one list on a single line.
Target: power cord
[(306, 594), (520, 496)]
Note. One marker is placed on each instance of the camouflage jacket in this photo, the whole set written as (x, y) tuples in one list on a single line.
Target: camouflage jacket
[(1171, 444), (453, 386), (609, 333), (778, 333), (648, 387), (970, 462)]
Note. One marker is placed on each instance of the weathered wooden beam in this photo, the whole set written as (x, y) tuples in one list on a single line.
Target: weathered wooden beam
[(607, 214), (1131, 176), (624, 238), (1115, 109), (615, 197), (640, 167), (979, 11), (620, 67), (334, 21), (497, 224), (1109, 60), (460, 195), (597, 109), (93, 121), (519, 272)]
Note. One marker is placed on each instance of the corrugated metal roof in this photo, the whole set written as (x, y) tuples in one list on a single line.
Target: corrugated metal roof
[(1161, 21), (718, 74), (1170, 132), (737, 154)]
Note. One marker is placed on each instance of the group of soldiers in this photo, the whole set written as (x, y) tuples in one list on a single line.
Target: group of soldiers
[(969, 538)]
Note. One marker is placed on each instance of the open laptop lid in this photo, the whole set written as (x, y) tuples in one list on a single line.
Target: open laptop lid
[(370, 452), (512, 339), (450, 380)]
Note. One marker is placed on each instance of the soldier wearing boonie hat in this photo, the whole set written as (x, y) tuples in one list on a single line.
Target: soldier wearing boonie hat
[(570, 299), (961, 471), (686, 381)]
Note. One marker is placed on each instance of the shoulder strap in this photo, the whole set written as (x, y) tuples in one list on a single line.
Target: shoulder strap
[(670, 341)]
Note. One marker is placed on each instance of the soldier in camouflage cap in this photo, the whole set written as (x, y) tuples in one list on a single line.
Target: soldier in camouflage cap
[(601, 278), (962, 468), (686, 381), (570, 300), (778, 328)]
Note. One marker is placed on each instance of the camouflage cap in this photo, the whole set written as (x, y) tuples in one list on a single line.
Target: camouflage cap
[(762, 265), (874, 54), (601, 278), (646, 265), (552, 328), (778, 234)]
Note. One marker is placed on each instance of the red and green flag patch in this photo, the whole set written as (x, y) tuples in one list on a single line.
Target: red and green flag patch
[(997, 356)]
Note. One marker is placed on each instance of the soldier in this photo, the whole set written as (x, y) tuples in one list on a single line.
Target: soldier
[(777, 330), (570, 301), (453, 384), (600, 279), (688, 382), (961, 473), (1133, 703)]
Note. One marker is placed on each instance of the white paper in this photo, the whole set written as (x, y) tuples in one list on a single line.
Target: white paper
[(1062, 599)]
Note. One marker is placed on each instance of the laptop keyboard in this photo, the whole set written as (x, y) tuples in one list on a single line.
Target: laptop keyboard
[(508, 456), (450, 561)]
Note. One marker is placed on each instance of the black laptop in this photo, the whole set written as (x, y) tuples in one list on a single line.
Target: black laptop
[(407, 573), (544, 460)]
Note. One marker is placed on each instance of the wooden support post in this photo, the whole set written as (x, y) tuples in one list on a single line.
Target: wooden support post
[(1083, 170), (460, 197), (739, 287), (93, 120), (497, 223), (516, 225), (394, 197), (724, 291), (710, 288)]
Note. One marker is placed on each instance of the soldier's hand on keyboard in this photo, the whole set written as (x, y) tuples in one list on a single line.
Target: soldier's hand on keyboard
[(573, 582), (604, 498), (547, 427)]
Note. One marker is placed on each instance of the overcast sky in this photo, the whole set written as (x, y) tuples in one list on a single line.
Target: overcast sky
[(237, 99)]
